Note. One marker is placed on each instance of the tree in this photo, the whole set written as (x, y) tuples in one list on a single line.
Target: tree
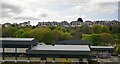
[(67, 36), (47, 35), (52, 27), (27, 28), (42, 35), (105, 29), (115, 29), (61, 28), (117, 41), (25, 35), (107, 38), (76, 33), (94, 38), (86, 29), (97, 29), (60, 35), (8, 31), (19, 33), (118, 49), (86, 37), (57, 35)]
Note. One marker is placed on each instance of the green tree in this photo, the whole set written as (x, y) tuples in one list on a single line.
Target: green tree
[(60, 35), (42, 35), (86, 29), (61, 28), (116, 36), (94, 38), (105, 29), (8, 31), (52, 27), (86, 37), (25, 35), (57, 35), (107, 38), (117, 41), (27, 28), (67, 36), (76, 34), (97, 29), (19, 33), (118, 49), (115, 29)]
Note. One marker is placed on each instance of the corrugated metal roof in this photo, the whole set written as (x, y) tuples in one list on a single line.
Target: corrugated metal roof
[(62, 47), (102, 47), (17, 42), (16, 39)]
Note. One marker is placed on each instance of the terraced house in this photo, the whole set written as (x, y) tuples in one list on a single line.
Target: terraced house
[(78, 23)]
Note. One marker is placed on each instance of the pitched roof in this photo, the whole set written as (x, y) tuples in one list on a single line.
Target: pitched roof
[(17, 42), (16, 39), (60, 50), (62, 47), (102, 47)]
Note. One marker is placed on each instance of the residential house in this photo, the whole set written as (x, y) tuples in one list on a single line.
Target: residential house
[(64, 24), (88, 23), (24, 24), (75, 24), (7, 24)]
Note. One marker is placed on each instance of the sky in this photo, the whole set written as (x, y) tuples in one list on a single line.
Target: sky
[(17, 11)]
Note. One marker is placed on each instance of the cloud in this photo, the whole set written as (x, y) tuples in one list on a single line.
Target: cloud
[(45, 10), (43, 15), (9, 10), (26, 18), (95, 10), (102, 7), (105, 0)]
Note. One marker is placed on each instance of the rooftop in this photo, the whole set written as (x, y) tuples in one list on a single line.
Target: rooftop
[(16, 39), (102, 47), (62, 47), (17, 42), (74, 42)]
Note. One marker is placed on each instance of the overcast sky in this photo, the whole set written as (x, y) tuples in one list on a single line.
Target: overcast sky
[(57, 10)]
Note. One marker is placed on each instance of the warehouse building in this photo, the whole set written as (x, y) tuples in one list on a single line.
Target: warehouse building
[(64, 49)]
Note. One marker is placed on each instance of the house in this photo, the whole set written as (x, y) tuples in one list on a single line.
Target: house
[(88, 23), (75, 24), (52, 23), (45, 24), (24, 24), (7, 24), (107, 23), (42, 24), (114, 22), (64, 24), (101, 22)]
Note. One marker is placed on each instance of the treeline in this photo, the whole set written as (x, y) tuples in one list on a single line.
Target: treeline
[(97, 34), (47, 35)]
